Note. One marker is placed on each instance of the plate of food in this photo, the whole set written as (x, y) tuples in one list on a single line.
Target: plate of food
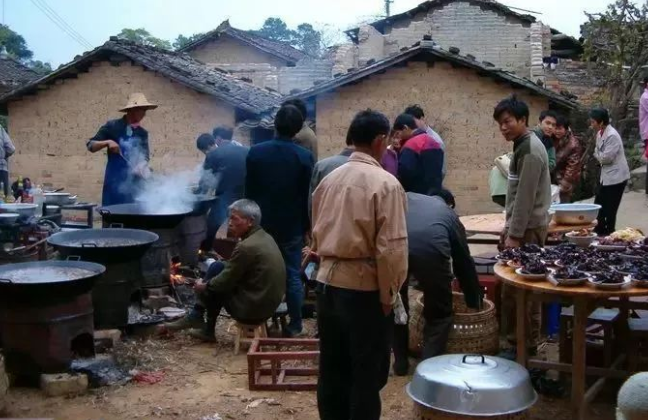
[(507, 255), (628, 235), (567, 276), (593, 266), (610, 244), (628, 267), (635, 253), (582, 237), (533, 270), (609, 281)]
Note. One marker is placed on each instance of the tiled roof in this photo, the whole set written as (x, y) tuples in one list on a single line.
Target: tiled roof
[(13, 73), (178, 67), (278, 49), (436, 53)]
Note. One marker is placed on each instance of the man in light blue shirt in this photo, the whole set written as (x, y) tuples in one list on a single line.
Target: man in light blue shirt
[(419, 116)]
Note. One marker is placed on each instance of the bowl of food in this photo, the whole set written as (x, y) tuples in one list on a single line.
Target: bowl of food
[(609, 281), (640, 277), (567, 276), (533, 270), (575, 214), (582, 237)]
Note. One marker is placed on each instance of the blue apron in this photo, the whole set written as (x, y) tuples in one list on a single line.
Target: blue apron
[(120, 185)]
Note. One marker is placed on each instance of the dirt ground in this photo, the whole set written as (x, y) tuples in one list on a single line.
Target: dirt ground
[(207, 382)]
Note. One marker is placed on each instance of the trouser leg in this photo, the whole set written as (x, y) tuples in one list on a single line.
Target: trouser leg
[(435, 336), (602, 218), (616, 195), (291, 252), (401, 336)]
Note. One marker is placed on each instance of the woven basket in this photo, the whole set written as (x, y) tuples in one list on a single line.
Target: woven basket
[(472, 332), (424, 413)]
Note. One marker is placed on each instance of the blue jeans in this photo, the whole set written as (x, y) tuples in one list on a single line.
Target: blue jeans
[(291, 252)]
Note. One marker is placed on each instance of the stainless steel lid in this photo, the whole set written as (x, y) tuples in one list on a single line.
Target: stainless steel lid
[(472, 385)]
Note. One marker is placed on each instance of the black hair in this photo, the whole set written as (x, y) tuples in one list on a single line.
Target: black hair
[(299, 104), (288, 121), (366, 126), (548, 113), (349, 140), (600, 115), (415, 111), (446, 195), (205, 141), (405, 120), (512, 105), (222, 132), (563, 121)]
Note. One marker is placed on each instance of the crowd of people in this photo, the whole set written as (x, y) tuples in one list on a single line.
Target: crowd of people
[(376, 217)]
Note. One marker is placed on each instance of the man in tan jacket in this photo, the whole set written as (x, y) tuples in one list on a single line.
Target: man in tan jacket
[(360, 235)]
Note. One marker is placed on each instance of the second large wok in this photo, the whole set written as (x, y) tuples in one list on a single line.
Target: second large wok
[(135, 216)]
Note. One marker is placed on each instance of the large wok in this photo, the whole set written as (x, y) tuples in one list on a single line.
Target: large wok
[(203, 204), (136, 217), (103, 245), (50, 279)]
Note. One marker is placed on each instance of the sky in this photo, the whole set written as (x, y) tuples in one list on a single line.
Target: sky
[(97, 20)]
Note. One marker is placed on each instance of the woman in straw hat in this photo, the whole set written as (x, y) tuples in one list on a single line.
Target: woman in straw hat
[(127, 148)]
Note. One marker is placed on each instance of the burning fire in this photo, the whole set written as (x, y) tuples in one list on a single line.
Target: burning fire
[(176, 277)]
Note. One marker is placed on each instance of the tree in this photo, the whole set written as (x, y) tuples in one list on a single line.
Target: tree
[(277, 30), (308, 39), (40, 67), (144, 37), (182, 40), (313, 41), (14, 44), (617, 43)]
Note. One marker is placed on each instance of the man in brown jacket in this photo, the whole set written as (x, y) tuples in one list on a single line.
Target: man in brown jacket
[(306, 137), (360, 235)]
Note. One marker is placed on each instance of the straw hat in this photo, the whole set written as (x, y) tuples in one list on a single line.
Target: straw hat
[(138, 100)]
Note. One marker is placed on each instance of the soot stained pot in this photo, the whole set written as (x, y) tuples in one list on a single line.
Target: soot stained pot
[(51, 279), (136, 216), (472, 386), (103, 245)]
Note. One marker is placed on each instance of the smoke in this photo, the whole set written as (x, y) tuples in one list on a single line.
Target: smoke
[(167, 193)]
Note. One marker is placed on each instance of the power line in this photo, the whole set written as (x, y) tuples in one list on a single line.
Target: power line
[(63, 26), (62, 21)]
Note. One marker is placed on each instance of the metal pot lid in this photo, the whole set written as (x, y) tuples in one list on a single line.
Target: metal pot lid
[(472, 385), (48, 272), (103, 238)]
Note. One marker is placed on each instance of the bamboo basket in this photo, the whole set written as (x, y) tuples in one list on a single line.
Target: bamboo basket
[(472, 332), (422, 412)]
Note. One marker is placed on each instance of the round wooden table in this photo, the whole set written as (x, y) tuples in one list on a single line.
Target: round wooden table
[(493, 224), (585, 299)]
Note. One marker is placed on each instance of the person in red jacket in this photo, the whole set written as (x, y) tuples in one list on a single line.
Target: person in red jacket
[(420, 164)]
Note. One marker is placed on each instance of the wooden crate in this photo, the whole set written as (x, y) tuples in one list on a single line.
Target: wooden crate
[(283, 364)]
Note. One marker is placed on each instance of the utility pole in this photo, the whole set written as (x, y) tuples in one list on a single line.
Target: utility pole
[(388, 7)]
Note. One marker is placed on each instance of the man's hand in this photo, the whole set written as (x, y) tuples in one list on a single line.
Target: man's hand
[(200, 286), (511, 242), (387, 309), (113, 147)]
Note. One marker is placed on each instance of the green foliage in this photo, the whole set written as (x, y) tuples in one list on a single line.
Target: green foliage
[(181, 41), (40, 67), (144, 37), (306, 38), (276, 30), (14, 44), (634, 156), (616, 41)]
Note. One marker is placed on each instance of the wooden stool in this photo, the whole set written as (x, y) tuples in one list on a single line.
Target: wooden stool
[(638, 335), (606, 318), (245, 334)]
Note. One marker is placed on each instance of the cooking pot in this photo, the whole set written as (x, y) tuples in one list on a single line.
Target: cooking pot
[(7, 219), (59, 198), (472, 385), (103, 245), (25, 210), (136, 216), (48, 278)]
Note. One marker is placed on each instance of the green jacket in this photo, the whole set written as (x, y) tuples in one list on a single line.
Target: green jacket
[(548, 144), (529, 187), (255, 277)]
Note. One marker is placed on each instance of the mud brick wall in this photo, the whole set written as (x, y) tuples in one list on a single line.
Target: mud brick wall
[(576, 77), (458, 100), (50, 129), (484, 33), (232, 51)]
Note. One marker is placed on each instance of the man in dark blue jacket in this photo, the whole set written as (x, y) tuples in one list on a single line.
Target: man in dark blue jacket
[(278, 179), (420, 164), (223, 172)]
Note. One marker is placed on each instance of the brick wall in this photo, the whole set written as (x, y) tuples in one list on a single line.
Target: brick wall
[(371, 44), (481, 32), (229, 50), (458, 100), (304, 74), (577, 78), (51, 128), (344, 57)]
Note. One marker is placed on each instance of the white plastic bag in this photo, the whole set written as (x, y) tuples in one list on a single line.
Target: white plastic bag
[(400, 316)]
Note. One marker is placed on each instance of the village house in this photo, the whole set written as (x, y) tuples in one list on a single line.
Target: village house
[(458, 94), (51, 119), (486, 29), (261, 61), (14, 74)]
